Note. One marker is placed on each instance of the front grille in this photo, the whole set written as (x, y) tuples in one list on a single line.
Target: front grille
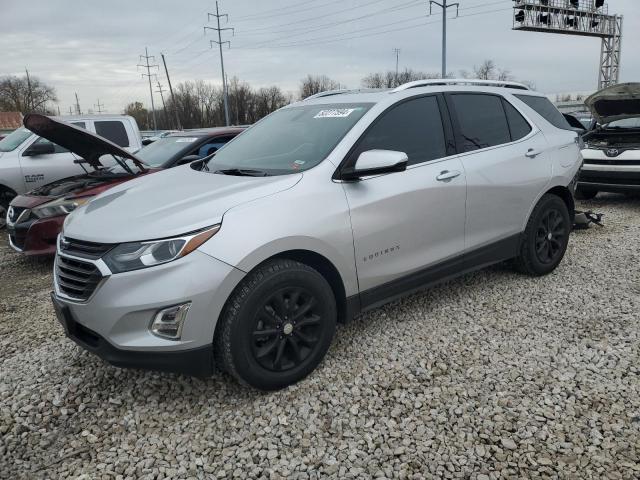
[(80, 248), (75, 278), (589, 161)]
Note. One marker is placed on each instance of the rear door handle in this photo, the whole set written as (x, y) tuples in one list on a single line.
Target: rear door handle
[(447, 175), (532, 153)]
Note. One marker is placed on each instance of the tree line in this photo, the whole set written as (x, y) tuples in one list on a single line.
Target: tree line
[(200, 104)]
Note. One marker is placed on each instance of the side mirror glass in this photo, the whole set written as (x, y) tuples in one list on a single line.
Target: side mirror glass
[(376, 162), (39, 148)]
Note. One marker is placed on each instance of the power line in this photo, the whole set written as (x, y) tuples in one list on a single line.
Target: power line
[(217, 15), (290, 12), (146, 56), (244, 17)]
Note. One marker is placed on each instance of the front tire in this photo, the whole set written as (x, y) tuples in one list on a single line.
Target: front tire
[(277, 325), (546, 237)]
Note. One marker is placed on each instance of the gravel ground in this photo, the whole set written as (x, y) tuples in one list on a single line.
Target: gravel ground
[(494, 375)]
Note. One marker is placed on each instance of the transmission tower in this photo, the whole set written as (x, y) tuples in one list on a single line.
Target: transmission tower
[(444, 8), (98, 106), (587, 18), (146, 57), (218, 15), (160, 90)]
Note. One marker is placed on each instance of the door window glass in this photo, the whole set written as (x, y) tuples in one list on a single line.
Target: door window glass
[(211, 146), (413, 127), (481, 120), (518, 126), (113, 130)]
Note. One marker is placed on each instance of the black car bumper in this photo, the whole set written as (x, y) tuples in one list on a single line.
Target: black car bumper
[(197, 362), (617, 182)]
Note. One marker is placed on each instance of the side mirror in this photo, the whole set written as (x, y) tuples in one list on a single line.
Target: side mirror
[(37, 148), (188, 159), (376, 162)]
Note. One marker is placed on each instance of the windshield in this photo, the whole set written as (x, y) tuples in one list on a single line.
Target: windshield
[(625, 123), (164, 149), (289, 140), (14, 139)]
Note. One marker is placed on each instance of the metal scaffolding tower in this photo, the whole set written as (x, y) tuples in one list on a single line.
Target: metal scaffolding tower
[(589, 18)]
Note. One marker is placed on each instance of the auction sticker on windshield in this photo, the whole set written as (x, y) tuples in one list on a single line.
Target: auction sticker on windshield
[(186, 140), (335, 113)]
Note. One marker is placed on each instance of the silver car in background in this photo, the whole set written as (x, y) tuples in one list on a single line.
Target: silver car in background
[(324, 209)]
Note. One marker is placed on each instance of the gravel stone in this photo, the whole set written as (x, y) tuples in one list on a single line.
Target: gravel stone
[(491, 376)]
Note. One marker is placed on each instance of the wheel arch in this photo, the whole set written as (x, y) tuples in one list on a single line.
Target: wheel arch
[(4, 189), (565, 194)]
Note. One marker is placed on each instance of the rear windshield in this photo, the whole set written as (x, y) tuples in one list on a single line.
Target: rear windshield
[(546, 109), (164, 149), (14, 139), (290, 140)]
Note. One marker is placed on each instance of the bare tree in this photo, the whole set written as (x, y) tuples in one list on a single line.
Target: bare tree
[(312, 84), (486, 71), (389, 79), (139, 113), (19, 94)]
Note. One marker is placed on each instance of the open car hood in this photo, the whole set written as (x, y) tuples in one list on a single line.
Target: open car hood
[(615, 103), (83, 143)]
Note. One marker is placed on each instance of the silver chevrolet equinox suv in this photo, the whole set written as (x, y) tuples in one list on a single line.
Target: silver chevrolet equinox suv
[(324, 209)]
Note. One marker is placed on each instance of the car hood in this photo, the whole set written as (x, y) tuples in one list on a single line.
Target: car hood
[(72, 187), (615, 103), (168, 203), (77, 140)]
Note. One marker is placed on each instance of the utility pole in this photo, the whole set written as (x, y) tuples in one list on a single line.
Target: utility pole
[(173, 99), (444, 8), (70, 110), (164, 107), (397, 52), (30, 99), (99, 106), (220, 42), (58, 110), (78, 111), (146, 57)]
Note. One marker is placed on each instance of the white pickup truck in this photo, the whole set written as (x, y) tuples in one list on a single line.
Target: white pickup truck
[(28, 161)]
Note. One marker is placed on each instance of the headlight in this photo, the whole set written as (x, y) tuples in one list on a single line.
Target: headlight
[(136, 255), (62, 206)]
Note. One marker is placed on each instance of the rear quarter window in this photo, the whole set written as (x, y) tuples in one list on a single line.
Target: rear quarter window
[(113, 130), (518, 126), (546, 109)]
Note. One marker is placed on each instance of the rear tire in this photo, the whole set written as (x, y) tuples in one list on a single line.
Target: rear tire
[(546, 237), (277, 325), (583, 193)]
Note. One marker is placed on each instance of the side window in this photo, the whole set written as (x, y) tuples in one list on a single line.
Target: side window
[(518, 126), (546, 109), (58, 148), (413, 127), (113, 130), (481, 120)]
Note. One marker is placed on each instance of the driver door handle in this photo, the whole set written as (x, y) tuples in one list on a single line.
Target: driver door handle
[(532, 153), (447, 175)]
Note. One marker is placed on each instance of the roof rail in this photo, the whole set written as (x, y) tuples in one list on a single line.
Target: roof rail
[(460, 81), (342, 91)]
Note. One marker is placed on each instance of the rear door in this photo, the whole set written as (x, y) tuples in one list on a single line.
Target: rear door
[(407, 221), (507, 164)]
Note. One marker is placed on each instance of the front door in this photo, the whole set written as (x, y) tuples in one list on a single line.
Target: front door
[(407, 221)]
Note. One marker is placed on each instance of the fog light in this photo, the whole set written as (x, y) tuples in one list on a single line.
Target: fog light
[(168, 322)]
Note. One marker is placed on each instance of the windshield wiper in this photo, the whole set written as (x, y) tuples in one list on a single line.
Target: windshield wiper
[(243, 172)]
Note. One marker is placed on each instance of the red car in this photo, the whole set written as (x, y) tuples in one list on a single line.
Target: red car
[(35, 218)]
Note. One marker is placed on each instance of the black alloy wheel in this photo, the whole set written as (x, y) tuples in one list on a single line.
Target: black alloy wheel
[(550, 236), (286, 329)]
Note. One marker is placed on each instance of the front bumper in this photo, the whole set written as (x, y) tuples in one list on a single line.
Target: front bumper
[(609, 181), (35, 237), (114, 323)]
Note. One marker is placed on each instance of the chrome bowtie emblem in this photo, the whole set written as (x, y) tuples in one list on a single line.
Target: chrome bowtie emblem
[(613, 152)]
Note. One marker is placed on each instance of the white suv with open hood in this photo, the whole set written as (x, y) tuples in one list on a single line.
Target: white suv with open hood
[(612, 147)]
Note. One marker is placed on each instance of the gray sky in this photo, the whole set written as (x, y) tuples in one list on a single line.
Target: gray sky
[(92, 48)]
